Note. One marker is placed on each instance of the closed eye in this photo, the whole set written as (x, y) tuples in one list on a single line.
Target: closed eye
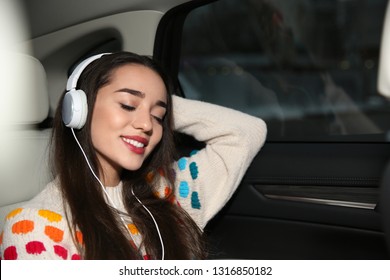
[(127, 107), (159, 120), (131, 108)]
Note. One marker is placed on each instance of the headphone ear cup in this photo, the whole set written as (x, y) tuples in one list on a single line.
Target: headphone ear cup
[(75, 109)]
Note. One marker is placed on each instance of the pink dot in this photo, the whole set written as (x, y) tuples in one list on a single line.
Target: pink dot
[(61, 251), (35, 247), (10, 253)]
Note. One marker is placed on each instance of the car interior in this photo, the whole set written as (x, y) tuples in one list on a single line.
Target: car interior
[(319, 187)]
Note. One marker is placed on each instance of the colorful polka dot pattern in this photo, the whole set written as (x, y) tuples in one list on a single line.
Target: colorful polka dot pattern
[(195, 203), (136, 238), (76, 257), (150, 177), (23, 227), (54, 233), (61, 251), (13, 213), (194, 170), (35, 247), (184, 165), (10, 253), (133, 229), (50, 215), (193, 152), (184, 189), (79, 238)]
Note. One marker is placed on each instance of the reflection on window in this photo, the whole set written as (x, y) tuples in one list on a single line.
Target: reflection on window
[(307, 67)]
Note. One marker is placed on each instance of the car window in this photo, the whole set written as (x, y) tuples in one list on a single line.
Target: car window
[(307, 67)]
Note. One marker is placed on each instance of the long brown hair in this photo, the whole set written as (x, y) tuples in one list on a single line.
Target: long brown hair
[(103, 236)]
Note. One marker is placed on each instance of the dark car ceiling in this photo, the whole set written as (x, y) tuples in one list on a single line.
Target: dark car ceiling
[(45, 16)]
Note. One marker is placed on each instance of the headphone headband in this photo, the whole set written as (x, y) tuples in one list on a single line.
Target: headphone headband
[(74, 77)]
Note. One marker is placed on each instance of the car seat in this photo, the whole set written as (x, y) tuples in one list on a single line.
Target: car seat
[(24, 167)]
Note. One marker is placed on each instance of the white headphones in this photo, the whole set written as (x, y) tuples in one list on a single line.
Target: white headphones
[(74, 106)]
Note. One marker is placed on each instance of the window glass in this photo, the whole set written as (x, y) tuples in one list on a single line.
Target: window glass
[(307, 67)]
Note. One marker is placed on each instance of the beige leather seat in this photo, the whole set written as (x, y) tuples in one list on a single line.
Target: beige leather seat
[(24, 167)]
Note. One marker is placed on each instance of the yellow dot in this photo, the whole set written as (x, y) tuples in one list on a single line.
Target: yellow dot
[(50, 215), (13, 213)]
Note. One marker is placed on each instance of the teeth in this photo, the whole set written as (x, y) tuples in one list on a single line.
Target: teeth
[(134, 143)]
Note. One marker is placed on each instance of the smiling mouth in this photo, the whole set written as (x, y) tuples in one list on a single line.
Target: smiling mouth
[(136, 144)]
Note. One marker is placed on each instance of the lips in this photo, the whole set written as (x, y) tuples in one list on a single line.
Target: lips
[(136, 144)]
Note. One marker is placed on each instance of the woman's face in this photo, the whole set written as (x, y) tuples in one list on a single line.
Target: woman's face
[(127, 119)]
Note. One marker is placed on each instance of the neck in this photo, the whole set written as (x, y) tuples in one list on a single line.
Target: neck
[(110, 182), (109, 173)]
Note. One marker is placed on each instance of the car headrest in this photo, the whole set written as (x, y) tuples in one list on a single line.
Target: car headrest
[(24, 95), (24, 102)]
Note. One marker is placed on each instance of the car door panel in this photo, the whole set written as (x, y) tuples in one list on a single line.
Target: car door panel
[(288, 206)]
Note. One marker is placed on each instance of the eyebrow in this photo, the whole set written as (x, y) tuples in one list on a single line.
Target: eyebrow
[(140, 95)]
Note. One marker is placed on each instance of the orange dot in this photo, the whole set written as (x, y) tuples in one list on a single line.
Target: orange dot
[(149, 177), (54, 233), (50, 215), (133, 229), (1, 237), (23, 227), (79, 237), (13, 213)]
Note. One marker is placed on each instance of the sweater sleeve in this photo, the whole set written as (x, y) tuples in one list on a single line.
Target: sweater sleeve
[(36, 234), (206, 179)]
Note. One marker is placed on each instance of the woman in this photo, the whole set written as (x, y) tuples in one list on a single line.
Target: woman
[(118, 193)]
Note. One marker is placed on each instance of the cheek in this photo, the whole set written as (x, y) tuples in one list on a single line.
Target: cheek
[(97, 127), (104, 125), (107, 118), (157, 136), (159, 133)]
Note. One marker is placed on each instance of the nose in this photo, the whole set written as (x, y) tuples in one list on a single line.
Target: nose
[(143, 120)]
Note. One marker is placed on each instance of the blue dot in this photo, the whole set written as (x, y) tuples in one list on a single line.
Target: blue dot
[(195, 203), (182, 163), (193, 152), (194, 170), (184, 189)]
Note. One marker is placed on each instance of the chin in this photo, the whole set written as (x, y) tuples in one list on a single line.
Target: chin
[(132, 166)]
